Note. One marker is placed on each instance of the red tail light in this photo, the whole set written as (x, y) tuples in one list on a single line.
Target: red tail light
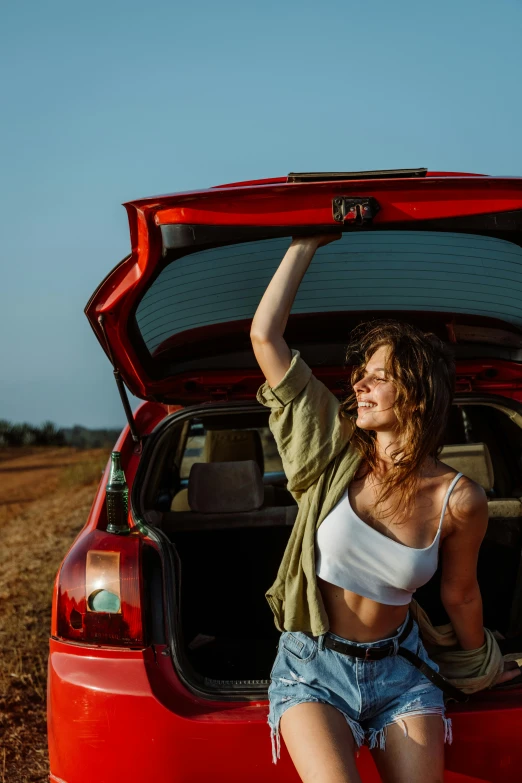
[(100, 591)]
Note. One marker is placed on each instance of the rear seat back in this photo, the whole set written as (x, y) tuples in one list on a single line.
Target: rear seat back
[(223, 446), (234, 446), (224, 495), (225, 487)]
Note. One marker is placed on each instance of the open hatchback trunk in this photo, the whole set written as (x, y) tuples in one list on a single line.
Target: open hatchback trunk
[(440, 251), (443, 251)]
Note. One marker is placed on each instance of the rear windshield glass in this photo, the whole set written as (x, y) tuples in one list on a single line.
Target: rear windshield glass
[(384, 270)]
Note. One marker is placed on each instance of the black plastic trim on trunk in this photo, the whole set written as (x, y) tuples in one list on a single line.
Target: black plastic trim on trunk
[(189, 238), (177, 237)]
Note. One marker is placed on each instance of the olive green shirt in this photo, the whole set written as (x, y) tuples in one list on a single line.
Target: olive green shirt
[(320, 462)]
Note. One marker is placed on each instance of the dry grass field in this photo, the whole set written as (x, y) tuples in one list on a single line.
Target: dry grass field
[(45, 497)]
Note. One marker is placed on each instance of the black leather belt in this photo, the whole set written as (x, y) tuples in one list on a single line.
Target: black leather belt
[(377, 653), (367, 653)]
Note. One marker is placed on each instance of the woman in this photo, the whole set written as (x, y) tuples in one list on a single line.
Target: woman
[(375, 509)]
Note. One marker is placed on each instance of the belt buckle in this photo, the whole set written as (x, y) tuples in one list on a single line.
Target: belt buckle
[(367, 654)]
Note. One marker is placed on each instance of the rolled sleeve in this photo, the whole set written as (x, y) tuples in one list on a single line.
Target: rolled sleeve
[(292, 384)]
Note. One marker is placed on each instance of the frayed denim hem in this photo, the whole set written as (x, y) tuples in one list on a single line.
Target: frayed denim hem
[(377, 737)]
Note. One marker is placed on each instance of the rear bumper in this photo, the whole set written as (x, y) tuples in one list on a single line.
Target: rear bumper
[(122, 716)]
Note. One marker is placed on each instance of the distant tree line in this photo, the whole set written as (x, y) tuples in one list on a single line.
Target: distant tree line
[(48, 434)]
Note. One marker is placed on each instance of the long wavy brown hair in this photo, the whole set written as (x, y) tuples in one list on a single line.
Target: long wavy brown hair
[(422, 369)]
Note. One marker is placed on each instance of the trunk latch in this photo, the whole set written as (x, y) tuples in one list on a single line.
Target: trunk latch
[(355, 211)]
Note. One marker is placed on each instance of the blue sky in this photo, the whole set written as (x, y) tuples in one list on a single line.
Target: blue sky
[(108, 101)]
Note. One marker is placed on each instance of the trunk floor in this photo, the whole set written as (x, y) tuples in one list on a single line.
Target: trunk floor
[(234, 658)]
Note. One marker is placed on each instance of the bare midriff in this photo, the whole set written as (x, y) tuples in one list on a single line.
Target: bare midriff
[(357, 618)]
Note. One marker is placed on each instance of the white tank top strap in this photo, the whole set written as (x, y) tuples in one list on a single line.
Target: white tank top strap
[(446, 499)]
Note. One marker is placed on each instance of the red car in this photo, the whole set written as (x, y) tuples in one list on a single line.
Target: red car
[(161, 640)]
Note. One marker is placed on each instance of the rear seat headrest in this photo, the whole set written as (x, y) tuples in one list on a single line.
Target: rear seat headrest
[(225, 487), (472, 459), (233, 446)]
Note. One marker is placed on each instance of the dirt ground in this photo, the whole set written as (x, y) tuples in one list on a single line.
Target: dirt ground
[(45, 497)]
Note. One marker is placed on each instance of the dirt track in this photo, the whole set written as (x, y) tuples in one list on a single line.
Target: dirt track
[(45, 497)]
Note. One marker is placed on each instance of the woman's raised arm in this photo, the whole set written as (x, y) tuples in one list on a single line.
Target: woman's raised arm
[(269, 323)]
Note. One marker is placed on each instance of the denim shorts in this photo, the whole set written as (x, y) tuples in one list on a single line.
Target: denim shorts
[(370, 694)]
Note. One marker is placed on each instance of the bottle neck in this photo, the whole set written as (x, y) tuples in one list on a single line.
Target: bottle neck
[(116, 475), (116, 461)]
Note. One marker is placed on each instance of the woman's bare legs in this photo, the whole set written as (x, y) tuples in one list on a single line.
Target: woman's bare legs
[(416, 758), (320, 743)]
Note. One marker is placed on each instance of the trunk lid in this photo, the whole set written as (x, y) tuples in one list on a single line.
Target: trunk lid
[(443, 251)]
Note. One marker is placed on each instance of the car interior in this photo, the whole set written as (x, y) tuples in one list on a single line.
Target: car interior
[(218, 491)]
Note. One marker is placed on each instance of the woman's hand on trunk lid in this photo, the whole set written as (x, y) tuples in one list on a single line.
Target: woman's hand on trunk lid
[(316, 241)]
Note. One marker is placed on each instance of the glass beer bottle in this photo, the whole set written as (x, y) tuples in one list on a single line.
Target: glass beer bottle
[(117, 497)]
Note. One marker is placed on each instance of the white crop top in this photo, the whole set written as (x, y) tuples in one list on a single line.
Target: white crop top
[(356, 557)]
